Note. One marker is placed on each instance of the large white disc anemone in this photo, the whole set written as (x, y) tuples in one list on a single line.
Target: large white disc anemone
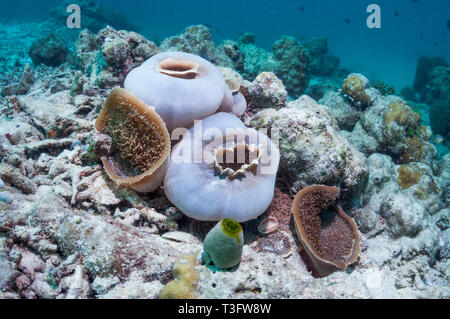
[(182, 87), (205, 189)]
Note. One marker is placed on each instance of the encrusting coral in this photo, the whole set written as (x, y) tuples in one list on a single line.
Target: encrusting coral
[(408, 175), (331, 240), (140, 142), (182, 87), (185, 280), (224, 244), (402, 114), (391, 126), (354, 86), (234, 176)]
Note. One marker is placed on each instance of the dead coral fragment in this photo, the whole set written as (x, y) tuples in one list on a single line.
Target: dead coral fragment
[(331, 240), (140, 142), (186, 279), (14, 177)]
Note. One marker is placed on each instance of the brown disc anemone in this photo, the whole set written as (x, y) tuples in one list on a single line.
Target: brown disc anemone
[(140, 142), (330, 237)]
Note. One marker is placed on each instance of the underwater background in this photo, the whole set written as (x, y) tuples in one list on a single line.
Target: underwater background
[(356, 203), (409, 28)]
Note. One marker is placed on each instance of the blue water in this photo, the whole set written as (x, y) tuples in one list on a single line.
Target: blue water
[(389, 53)]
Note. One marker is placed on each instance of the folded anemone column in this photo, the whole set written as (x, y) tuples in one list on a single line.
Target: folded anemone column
[(140, 142), (233, 80), (226, 171), (330, 238), (182, 87)]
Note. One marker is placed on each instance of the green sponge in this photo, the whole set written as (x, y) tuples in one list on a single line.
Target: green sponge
[(224, 243)]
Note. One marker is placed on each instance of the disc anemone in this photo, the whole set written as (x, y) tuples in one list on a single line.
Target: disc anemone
[(182, 87), (140, 142), (233, 179), (330, 238)]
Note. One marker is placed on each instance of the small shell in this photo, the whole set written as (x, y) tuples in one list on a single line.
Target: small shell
[(268, 226)]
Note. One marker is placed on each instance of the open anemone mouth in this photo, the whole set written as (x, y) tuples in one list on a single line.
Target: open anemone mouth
[(234, 160), (140, 141), (179, 69)]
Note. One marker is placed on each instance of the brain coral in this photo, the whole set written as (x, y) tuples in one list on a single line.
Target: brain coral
[(229, 172), (182, 87)]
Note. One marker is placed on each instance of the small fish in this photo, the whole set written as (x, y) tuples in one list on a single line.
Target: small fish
[(414, 1), (421, 35), (302, 9), (347, 20), (435, 44), (438, 139), (396, 13), (448, 24)]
